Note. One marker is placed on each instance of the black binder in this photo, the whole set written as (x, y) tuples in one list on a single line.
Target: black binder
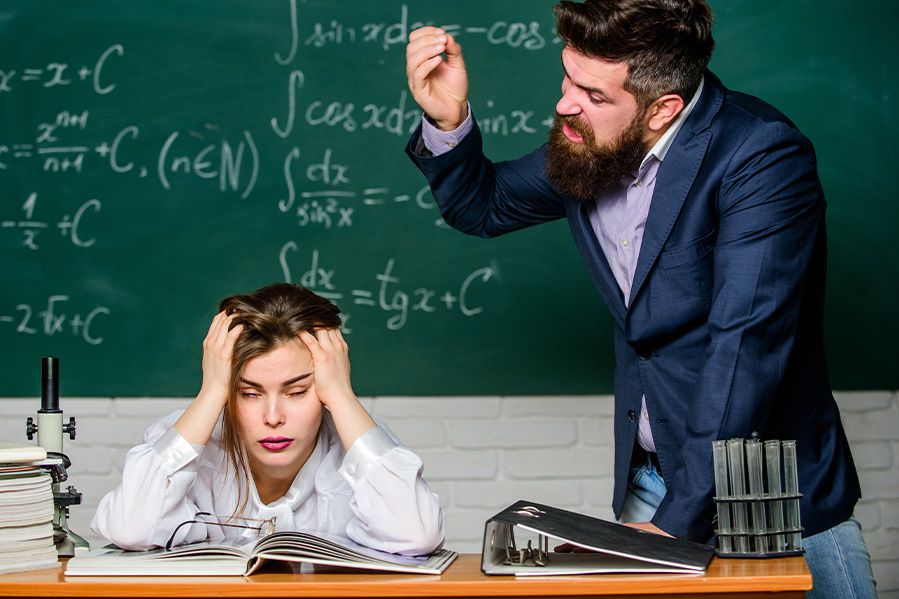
[(613, 547)]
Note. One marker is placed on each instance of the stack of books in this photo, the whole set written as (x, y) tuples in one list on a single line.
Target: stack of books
[(26, 510)]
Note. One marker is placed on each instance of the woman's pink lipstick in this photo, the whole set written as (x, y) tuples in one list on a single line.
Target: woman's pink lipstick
[(276, 443)]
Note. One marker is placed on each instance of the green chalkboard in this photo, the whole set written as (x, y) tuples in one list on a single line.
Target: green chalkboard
[(156, 156)]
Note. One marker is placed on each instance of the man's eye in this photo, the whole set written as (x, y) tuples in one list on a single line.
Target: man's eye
[(596, 100)]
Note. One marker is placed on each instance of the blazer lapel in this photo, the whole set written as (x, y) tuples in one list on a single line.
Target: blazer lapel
[(597, 264), (675, 178), (673, 183)]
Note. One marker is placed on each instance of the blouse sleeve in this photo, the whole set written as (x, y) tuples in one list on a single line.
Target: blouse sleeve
[(393, 508), (152, 499)]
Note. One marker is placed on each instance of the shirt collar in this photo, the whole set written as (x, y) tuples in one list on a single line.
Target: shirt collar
[(661, 147)]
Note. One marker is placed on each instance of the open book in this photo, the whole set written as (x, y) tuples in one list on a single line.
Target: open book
[(518, 541), (233, 559)]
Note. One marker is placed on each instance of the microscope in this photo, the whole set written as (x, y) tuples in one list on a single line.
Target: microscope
[(50, 429)]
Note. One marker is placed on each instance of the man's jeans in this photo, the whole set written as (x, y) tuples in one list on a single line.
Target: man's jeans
[(837, 558)]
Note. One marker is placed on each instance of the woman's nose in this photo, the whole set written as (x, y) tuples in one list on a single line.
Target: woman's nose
[(274, 413)]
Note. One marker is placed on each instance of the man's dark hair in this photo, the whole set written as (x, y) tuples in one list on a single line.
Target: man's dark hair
[(665, 43)]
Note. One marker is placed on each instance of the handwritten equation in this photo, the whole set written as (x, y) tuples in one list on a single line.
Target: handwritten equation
[(68, 225), (292, 163), (386, 292), (527, 35), (61, 74), (54, 319)]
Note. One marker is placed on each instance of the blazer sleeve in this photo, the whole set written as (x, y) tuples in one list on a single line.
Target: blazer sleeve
[(771, 224), (482, 198)]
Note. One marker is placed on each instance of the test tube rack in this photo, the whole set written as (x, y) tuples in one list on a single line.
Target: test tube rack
[(758, 511)]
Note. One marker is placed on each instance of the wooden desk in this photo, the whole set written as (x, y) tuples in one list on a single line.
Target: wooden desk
[(787, 577)]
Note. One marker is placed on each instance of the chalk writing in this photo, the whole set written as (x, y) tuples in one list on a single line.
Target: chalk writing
[(58, 157), (528, 35), (64, 119), (69, 226), (332, 207), (53, 320), (294, 37), (315, 157), (294, 82), (518, 121), (399, 119), (59, 74), (218, 160), (386, 293)]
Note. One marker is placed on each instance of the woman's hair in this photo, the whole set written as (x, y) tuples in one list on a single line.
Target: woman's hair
[(666, 43), (271, 316)]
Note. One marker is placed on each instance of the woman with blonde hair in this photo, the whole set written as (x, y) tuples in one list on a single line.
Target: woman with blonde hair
[(275, 440)]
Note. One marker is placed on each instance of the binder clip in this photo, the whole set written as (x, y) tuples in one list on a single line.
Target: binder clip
[(504, 548), (757, 519), (537, 556)]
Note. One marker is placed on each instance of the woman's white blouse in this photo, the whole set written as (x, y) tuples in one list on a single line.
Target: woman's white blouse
[(373, 494)]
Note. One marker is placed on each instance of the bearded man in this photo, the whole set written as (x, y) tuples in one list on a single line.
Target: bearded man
[(700, 217)]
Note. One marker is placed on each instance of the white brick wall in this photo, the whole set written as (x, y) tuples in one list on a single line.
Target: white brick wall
[(483, 453)]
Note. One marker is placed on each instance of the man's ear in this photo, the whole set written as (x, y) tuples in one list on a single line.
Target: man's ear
[(663, 111)]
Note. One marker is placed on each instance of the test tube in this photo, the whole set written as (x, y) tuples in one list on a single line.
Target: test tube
[(719, 455), (775, 508), (737, 488), (756, 489), (791, 487)]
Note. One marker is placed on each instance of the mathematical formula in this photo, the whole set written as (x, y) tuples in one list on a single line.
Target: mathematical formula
[(61, 74), (526, 35), (54, 318), (385, 291), (321, 190), (68, 226)]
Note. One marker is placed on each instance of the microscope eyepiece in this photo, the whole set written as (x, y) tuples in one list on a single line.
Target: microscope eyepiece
[(49, 385)]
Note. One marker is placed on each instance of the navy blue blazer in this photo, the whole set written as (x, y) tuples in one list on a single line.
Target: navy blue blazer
[(724, 330)]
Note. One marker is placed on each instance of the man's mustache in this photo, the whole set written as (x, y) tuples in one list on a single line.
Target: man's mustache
[(576, 124)]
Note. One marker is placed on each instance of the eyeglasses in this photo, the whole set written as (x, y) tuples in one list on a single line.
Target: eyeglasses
[(263, 528)]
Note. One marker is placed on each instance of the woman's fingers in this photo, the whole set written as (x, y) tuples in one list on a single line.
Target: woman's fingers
[(222, 330), (213, 328), (232, 336)]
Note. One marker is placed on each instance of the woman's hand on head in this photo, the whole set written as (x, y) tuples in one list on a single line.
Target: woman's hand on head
[(331, 376), (218, 349), (198, 420), (331, 365)]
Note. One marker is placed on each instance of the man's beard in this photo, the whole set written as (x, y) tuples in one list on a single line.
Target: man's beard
[(585, 170)]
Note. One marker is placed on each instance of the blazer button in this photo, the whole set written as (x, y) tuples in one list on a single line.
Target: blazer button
[(645, 355), (632, 415)]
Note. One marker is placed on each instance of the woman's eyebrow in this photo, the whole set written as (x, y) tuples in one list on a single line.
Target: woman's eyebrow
[(295, 379), (286, 383), (249, 383)]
